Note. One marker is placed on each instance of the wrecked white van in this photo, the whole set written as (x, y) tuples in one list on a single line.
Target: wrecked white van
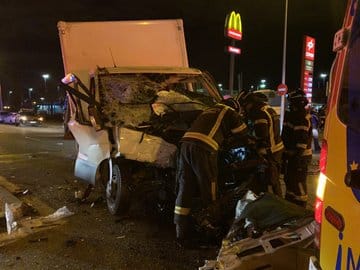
[(130, 98)]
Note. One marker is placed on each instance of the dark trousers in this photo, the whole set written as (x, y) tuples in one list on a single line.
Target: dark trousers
[(295, 179), (273, 172), (269, 174), (197, 171)]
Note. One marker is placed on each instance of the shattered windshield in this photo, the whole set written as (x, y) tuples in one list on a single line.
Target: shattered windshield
[(132, 99), (142, 88)]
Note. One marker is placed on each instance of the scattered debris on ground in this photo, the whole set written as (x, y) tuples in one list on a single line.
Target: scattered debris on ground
[(263, 225), (19, 227)]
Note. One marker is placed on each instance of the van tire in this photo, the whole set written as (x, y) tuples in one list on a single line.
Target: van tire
[(117, 190)]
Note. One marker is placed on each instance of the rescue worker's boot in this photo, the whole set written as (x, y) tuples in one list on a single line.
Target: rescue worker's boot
[(181, 231), (183, 237)]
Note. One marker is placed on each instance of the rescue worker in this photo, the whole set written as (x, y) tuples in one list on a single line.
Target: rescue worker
[(297, 138), (197, 167), (265, 124)]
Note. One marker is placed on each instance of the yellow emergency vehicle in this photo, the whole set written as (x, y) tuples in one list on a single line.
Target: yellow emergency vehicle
[(337, 208)]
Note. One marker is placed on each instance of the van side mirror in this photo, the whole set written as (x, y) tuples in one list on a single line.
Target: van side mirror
[(95, 118), (352, 179), (69, 78)]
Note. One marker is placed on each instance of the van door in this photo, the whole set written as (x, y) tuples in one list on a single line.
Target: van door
[(81, 120)]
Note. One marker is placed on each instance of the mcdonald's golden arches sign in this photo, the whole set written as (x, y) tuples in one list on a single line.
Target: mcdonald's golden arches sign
[(233, 27)]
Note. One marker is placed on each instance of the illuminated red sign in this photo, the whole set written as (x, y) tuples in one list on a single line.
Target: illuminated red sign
[(308, 66), (309, 48), (234, 34), (234, 50), (233, 26), (282, 89)]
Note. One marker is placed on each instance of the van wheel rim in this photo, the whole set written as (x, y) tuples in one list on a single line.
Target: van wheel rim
[(112, 185)]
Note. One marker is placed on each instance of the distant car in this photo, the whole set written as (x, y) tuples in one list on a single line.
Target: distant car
[(29, 118), (272, 98), (11, 118), (3, 114)]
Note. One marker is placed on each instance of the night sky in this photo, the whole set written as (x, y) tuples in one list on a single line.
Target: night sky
[(29, 44)]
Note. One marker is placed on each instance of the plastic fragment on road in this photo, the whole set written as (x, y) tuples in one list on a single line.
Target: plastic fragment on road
[(58, 214), (79, 194), (12, 214), (11, 224), (22, 227)]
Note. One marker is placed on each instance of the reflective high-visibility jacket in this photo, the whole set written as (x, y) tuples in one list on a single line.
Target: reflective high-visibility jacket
[(266, 125), (297, 132), (215, 125)]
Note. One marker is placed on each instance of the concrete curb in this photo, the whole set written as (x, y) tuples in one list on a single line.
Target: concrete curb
[(9, 198), (6, 196)]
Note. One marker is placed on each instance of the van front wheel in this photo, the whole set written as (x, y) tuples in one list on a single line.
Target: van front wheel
[(117, 191)]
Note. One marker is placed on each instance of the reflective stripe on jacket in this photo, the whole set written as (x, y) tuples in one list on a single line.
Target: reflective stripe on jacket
[(266, 128), (214, 125)]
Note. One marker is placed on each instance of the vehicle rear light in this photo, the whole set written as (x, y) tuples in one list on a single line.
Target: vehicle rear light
[(319, 204), (318, 210), (323, 156), (335, 218)]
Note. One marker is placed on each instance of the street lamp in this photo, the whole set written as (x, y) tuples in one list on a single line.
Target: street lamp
[(9, 99), (323, 77), (45, 77), (30, 90)]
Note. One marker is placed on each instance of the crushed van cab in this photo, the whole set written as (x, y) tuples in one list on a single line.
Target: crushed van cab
[(130, 98)]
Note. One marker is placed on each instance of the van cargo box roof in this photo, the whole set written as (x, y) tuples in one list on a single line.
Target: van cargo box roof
[(87, 45)]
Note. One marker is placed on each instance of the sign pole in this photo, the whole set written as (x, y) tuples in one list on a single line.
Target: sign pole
[(231, 71), (1, 100), (282, 109), (233, 31)]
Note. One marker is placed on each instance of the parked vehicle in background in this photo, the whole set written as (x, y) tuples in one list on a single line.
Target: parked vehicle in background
[(337, 208), (3, 114), (322, 116), (272, 98), (29, 118), (11, 118)]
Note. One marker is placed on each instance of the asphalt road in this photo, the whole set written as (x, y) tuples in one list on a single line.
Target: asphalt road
[(38, 160)]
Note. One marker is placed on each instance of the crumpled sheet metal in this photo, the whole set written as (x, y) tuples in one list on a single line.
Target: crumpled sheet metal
[(27, 226), (137, 145), (241, 247), (234, 256)]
